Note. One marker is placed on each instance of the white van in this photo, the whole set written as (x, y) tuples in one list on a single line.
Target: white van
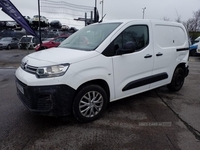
[(102, 63), (28, 42)]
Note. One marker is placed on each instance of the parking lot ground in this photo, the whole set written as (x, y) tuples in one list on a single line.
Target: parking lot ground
[(12, 58), (154, 120)]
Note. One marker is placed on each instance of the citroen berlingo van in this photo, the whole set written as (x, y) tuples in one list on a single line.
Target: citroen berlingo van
[(102, 63)]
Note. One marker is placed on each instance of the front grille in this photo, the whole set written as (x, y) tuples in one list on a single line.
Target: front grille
[(31, 69), (28, 68)]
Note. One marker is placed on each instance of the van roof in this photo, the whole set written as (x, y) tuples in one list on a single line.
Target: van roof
[(141, 20)]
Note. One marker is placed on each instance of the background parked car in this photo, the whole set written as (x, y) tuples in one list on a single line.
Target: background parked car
[(198, 48), (193, 47), (47, 39), (52, 43), (28, 42), (43, 21), (28, 20), (55, 24), (64, 27), (8, 42), (11, 24)]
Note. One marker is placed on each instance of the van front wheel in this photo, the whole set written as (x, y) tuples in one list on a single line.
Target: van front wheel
[(89, 103), (177, 80)]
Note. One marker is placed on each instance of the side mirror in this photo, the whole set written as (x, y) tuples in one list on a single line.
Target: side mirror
[(129, 47)]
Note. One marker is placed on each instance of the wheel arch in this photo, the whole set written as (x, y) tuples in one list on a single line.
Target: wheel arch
[(183, 66), (99, 82), (179, 74)]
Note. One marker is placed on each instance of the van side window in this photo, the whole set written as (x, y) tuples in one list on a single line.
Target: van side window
[(137, 34)]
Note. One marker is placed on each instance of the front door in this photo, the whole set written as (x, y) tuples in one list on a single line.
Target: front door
[(133, 71)]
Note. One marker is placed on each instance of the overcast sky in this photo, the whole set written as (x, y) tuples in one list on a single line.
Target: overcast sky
[(123, 9)]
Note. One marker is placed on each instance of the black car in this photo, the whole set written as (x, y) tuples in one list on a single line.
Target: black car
[(55, 24)]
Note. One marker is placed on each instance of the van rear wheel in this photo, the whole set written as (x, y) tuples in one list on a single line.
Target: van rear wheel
[(89, 103), (177, 80)]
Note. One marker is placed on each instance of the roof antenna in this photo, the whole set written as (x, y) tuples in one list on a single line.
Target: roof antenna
[(102, 19)]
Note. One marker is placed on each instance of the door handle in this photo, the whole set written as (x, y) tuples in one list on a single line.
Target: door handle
[(148, 56), (159, 54)]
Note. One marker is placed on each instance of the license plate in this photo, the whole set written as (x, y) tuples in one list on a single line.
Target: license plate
[(20, 88)]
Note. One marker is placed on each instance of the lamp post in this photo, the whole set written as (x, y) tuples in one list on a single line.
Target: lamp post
[(39, 26), (95, 12), (101, 2), (143, 12)]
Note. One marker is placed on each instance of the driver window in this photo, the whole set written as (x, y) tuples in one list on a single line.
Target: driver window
[(138, 34)]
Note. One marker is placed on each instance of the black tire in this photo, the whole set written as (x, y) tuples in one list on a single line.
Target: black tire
[(8, 47), (193, 52), (90, 103), (177, 80)]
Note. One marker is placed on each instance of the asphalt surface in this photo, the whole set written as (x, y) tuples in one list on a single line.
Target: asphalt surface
[(154, 120), (12, 58)]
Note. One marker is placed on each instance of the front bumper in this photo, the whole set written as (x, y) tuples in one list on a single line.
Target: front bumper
[(3, 46), (55, 100)]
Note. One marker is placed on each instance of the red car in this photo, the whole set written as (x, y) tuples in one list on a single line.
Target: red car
[(52, 43)]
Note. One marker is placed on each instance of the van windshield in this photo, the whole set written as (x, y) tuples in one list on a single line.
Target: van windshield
[(90, 37)]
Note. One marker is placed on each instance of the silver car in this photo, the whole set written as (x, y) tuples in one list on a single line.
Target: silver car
[(8, 42)]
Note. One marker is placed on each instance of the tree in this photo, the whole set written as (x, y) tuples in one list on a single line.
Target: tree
[(166, 18), (193, 24), (178, 19), (190, 24), (197, 20)]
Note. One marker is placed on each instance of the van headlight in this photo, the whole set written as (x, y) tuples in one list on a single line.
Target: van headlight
[(52, 71)]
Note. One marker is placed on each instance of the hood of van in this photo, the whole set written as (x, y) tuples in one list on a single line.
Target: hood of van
[(58, 56)]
